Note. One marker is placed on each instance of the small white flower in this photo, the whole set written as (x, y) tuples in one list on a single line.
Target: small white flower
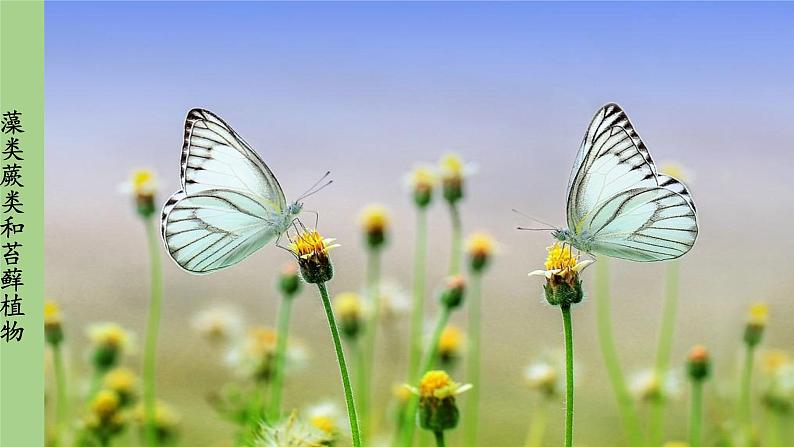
[(218, 323)]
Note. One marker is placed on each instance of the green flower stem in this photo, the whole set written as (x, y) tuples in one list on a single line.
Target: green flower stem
[(457, 240), (282, 336), (340, 357), (745, 411), (430, 355), (628, 416), (566, 321), (152, 326), (663, 350), (773, 429), (696, 413), (418, 305), (473, 360), (60, 392), (370, 339), (439, 439), (96, 383), (537, 425)]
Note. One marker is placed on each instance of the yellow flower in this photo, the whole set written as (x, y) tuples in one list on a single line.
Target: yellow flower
[(676, 444), (348, 305), (374, 218), (758, 314), (52, 313), (311, 250), (453, 172), (166, 420), (774, 360), (143, 182), (480, 247), (421, 181), (325, 416), (105, 404), (437, 384), (401, 393), (563, 286), (121, 380), (450, 342), (109, 335), (677, 171), (292, 432)]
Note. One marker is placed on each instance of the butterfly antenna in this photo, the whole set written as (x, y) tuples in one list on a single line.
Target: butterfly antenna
[(315, 188), (535, 219)]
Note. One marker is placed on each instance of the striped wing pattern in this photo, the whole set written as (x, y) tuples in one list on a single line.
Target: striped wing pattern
[(617, 196), (229, 199)]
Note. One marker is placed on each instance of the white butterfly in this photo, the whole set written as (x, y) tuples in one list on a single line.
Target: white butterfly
[(230, 204), (618, 204)]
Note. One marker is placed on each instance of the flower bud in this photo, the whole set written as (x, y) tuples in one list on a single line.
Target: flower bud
[(453, 171), (109, 343), (289, 282), (349, 314), (698, 363), (311, 251), (375, 223), (53, 323), (123, 382), (756, 322), (480, 247), (142, 185), (437, 408), (450, 345), (452, 296)]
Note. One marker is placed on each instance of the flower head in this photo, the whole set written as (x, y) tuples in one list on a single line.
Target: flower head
[(450, 344), (453, 172), (757, 318), (53, 323), (375, 223), (292, 432), (123, 382), (562, 268), (348, 308), (105, 418), (422, 180), (109, 342), (218, 324), (454, 291), (778, 385), (698, 363), (327, 417), (646, 385), (544, 377), (437, 408), (480, 248), (142, 186), (774, 360), (311, 251)]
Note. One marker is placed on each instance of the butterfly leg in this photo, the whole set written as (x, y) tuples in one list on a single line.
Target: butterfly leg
[(316, 217)]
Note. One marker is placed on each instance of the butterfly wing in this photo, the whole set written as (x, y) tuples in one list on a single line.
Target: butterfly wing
[(214, 156), (229, 203), (215, 228), (617, 197)]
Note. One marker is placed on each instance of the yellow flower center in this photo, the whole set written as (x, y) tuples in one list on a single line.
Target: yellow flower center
[(105, 403), (143, 182), (480, 244), (111, 335), (52, 312), (433, 382), (310, 244), (759, 313), (451, 339), (560, 257), (324, 423), (348, 305), (451, 166), (374, 218), (422, 178), (121, 380)]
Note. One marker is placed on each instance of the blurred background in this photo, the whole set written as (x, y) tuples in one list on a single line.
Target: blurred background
[(368, 90)]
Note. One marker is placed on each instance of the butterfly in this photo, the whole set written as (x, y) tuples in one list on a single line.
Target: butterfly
[(230, 204), (619, 205)]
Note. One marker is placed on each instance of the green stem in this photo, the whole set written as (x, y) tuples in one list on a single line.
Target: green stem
[(628, 416), (370, 338), (282, 336), (457, 240), (663, 350), (473, 359), (152, 326), (60, 392), (566, 321), (537, 425), (439, 438), (340, 357), (773, 429), (418, 305), (696, 413), (745, 411), (427, 363)]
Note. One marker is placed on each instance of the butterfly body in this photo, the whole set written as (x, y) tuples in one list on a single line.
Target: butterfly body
[(618, 204), (230, 204)]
